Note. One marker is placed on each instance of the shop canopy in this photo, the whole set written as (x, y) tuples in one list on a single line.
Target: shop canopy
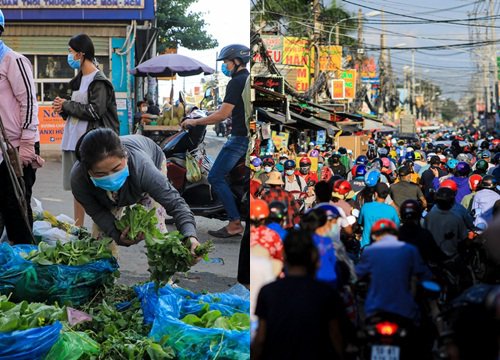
[(330, 128), (274, 116)]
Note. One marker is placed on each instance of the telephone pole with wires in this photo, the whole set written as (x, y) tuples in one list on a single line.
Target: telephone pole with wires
[(316, 38)]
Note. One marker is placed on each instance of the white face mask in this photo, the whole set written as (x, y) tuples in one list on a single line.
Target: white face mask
[(290, 172), (144, 109), (334, 232), (267, 169)]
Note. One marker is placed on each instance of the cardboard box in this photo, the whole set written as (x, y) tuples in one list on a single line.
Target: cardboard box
[(358, 144)]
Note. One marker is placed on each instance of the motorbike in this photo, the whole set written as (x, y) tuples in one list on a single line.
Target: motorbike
[(199, 195)]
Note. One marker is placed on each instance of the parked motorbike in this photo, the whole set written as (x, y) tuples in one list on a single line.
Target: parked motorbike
[(199, 195)]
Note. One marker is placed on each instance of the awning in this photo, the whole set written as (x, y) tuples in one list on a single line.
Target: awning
[(275, 117), (330, 128), (370, 124)]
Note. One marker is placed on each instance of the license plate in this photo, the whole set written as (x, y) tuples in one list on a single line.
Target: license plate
[(385, 352)]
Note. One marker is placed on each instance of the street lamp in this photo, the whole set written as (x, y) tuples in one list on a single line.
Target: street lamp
[(335, 26)]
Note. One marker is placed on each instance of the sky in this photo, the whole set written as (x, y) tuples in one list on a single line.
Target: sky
[(229, 22), (449, 68)]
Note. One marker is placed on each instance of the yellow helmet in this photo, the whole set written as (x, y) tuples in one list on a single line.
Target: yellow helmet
[(393, 154)]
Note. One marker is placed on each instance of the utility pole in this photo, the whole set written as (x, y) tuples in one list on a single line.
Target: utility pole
[(413, 84), (494, 60), (383, 73), (316, 38), (359, 52)]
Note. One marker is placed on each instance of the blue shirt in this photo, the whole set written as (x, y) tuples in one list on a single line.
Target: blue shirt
[(391, 264), (326, 271), (372, 212), (277, 227)]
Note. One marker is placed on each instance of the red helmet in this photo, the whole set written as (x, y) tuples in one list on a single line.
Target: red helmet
[(259, 210), (384, 225), (304, 161), (474, 181), (342, 187), (268, 161), (353, 170), (450, 184)]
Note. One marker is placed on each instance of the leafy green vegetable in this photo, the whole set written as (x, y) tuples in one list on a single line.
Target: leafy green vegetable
[(214, 319), (167, 253), (77, 252)]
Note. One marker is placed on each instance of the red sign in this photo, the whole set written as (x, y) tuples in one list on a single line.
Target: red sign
[(338, 89), (51, 125)]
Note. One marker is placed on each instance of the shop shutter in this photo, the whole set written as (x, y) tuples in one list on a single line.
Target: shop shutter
[(50, 45)]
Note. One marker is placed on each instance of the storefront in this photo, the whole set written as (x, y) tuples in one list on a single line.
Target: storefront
[(41, 29)]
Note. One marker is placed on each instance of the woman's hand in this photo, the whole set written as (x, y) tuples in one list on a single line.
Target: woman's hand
[(125, 241), (57, 104), (194, 244)]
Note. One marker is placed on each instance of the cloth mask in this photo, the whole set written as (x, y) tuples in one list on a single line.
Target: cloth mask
[(290, 172), (267, 169), (74, 64), (334, 232), (225, 70), (112, 182)]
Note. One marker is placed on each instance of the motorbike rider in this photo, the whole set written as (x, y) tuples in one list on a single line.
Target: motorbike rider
[(262, 235), (358, 182), (235, 59), (305, 170), (405, 190), (280, 165), (336, 166), (387, 255), (277, 217), (474, 181), (268, 164), (481, 167), (113, 172), (461, 177), (255, 168), (428, 177), (293, 182), (484, 201)]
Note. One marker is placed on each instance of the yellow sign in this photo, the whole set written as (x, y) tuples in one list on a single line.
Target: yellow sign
[(330, 58), (295, 51), (314, 163), (302, 83), (349, 77), (280, 140)]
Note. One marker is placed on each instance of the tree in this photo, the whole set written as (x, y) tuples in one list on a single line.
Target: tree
[(180, 27), (449, 110)]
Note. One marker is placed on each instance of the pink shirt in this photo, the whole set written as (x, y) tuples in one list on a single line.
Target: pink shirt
[(18, 103)]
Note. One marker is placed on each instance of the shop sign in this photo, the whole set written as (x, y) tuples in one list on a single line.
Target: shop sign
[(51, 125), (338, 89), (273, 83), (295, 51), (320, 137), (330, 58), (349, 77), (280, 140), (73, 4), (274, 46), (302, 83)]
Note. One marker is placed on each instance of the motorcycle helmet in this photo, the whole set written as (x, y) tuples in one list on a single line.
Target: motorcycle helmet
[(486, 154), (482, 166), (314, 153), (277, 211), (445, 198), (462, 169), (289, 164), (488, 182), (268, 161), (462, 157), (334, 159), (410, 156), (342, 187), (256, 162), (496, 158), (418, 155), (353, 170), (452, 163), (305, 161), (372, 177), (360, 170), (384, 226), (474, 181), (382, 151), (2, 22), (410, 210), (361, 160), (386, 162), (376, 163), (450, 184), (447, 152), (235, 51), (259, 210)]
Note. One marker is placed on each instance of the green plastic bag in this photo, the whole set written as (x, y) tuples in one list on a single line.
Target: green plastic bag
[(72, 346)]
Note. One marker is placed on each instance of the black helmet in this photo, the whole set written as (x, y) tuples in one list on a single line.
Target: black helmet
[(488, 182), (277, 211), (235, 51), (410, 210)]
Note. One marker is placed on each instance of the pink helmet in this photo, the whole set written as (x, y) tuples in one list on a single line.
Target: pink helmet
[(386, 162)]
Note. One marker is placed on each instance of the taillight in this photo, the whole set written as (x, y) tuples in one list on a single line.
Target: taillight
[(386, 328)]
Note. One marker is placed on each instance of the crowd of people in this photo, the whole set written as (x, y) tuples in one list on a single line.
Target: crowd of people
[(399, 214)]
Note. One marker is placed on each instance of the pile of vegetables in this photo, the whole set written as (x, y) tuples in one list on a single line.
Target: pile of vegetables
[(73, 253), (24, 315), (167, 253), (207, 318)]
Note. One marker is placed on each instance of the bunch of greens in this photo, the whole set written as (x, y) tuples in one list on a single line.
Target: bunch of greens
[(207, 318), (26, 315), (121, 334), (77, 252), (167, 253)]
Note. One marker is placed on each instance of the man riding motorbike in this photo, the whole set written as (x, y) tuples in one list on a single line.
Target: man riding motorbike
[(235, 58)]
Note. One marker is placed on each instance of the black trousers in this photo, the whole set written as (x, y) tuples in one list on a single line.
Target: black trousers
[(17, 231), (244, 258)]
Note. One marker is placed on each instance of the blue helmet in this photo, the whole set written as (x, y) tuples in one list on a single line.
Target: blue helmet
[(452, 163), (360, 170), (2, 21), (257, 162), (410, 155), (372, 177), (361, 160), (289, 164)]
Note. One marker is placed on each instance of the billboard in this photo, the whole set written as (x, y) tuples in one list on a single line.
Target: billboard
[(295, 51), (274, 46), (349, 77), (330, 58), (73, 4), (338, 89)]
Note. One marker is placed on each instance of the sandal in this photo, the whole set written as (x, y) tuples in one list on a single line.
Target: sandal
[(222, 233)]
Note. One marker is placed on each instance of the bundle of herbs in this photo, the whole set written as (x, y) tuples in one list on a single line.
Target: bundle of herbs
[(167, 253)]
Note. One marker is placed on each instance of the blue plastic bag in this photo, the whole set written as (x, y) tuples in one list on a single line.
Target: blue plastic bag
[(31, 344), (52, 283)]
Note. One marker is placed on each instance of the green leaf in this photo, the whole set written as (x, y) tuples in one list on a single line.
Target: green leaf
[(192, 319)]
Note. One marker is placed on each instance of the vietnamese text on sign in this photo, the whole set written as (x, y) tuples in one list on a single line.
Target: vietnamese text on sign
[(78, 4)]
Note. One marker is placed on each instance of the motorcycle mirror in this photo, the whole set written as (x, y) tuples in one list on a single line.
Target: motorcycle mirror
[(431, 286)]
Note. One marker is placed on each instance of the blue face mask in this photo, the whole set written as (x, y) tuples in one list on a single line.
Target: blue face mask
[(74, 64), (112, 182), (225, 70)]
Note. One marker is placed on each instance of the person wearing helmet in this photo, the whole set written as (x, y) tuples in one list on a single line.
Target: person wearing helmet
[(413, 233), (235, 58), (358, 182), (305, 170), (414, 178), (256, 168), (419, 162), (281, 162), (427, 178), (387, 255), (474, 181), (277, 216), (336, 166), (447, 227), (341, 192), (405, 189), (268, 165), (260, 234), (484, 201), (481, 167), (361, 160), (460, 177), (19, 114), (375, 210)]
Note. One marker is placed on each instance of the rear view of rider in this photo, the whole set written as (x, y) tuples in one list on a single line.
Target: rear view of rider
[(235, 58)]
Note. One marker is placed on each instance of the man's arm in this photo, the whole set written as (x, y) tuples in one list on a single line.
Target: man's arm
[(258, 342), (223, 113)]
